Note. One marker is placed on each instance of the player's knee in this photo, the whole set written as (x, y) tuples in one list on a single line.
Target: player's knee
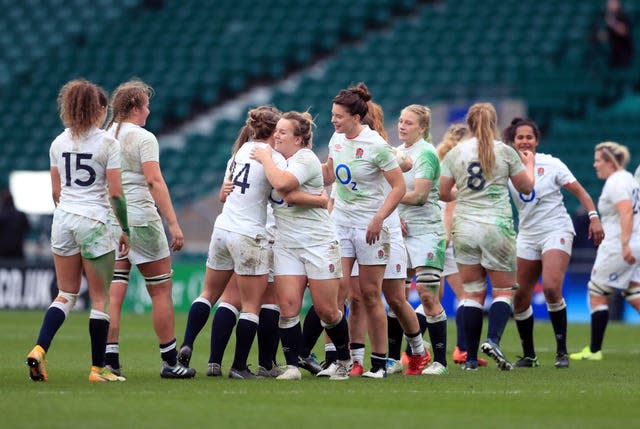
[(65, 301), (476, 286)]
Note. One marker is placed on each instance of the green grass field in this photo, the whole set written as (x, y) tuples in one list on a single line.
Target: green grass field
[(588, 394)]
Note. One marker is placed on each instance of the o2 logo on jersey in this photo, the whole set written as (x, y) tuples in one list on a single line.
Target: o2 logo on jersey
[(343, 175), (79, 166), (527, 198)]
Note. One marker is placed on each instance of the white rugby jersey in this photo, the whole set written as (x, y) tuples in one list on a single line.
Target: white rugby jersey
[(245, 210), (620, 186), (358, 165), (426, 165), (543, 210), (303, 226), (137, 146), (637, 174), (479, 198), (82, 165)]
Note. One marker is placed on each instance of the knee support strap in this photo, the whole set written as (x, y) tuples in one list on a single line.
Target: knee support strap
[(120, 276), (67, 303), (156, 280), (429, 279)]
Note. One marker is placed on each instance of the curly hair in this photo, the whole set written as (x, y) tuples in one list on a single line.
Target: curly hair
[(82, 105)]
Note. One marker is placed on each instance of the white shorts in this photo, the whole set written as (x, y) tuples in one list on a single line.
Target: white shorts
[(492, 246), (609, 269), (450, 266), (353, 243), (147, 243), (319, 262), (72, 234), (246, 256), (426, 250), (533, 247), (397, 266)]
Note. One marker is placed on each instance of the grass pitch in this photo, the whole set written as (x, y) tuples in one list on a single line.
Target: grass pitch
[(588, 394)]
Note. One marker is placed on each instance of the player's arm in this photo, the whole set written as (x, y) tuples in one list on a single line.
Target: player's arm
[(625, 211), (160, 193), (299, 198), (524, 181), (281, 180), (55, 185), (447, 190), (420, 193), (328, 174), (595, 227), (398, 188), (119, 206)]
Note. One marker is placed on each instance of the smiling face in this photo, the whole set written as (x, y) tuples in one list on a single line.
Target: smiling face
[(286, 142), (344, 122), (409, 129), (525, 139)]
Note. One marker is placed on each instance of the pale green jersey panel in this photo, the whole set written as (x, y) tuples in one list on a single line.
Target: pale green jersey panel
[(480, 198), (426, 165)]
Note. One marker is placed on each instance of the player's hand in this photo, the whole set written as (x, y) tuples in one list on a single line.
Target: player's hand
[(596, 233), (373, 230), (527, 157), (177, 237), (403, 227), (261, 153), (123, 245), (227, 188), (627, 255)]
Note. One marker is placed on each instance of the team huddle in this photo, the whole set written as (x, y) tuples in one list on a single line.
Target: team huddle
[(415, 213)]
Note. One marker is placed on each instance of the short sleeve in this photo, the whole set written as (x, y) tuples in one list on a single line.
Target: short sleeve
[(114, 153), (563, 175), (427, 166), (149, 149)]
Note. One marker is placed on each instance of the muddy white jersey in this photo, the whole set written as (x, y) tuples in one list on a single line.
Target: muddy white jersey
[(637, 174), (543, 210), (358, 165), (480, 198), (82, 165), (620, 186), (245, 210), (298, 226), (137, 146), (426, 165)]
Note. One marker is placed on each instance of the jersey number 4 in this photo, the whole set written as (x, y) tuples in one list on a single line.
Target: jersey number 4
[(241, 179), (79, 166)]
